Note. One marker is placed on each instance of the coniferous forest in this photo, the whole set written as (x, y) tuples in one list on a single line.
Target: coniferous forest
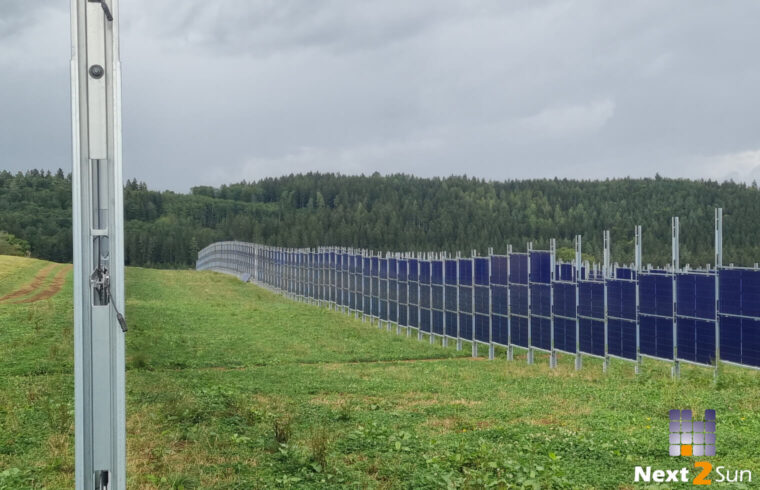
[(398, 213)]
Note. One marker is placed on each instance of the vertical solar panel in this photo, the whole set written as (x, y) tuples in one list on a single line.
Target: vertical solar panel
[(482, 297), (465, 299), (383, 292), (393, 290), (740, 316), (591, 317), (621, 325), (695, 317), (656, 315), (403, 298), (499, 300), (414, 293), (540, 292), (425, 293), (450, 271), (437, 292), (564, 315), (518, 299), (367, 286)]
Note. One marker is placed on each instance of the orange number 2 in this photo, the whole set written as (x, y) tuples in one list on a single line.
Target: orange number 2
[(701, 479)]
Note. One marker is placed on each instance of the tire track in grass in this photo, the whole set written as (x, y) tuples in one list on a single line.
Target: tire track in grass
[(37, 281), (54, 288)]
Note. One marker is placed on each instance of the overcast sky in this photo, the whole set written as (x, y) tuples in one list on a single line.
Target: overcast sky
[(219, 91)]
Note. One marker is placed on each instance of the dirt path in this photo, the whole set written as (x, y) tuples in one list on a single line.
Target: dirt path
[(55, 286), (38, 280)]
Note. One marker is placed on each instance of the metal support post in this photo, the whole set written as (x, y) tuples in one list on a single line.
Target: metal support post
[(490, 308), (606, 275), (718, 266), (552, 261), (459, 326), (510, 349), (473, 254), (578, 277), (98, 244), (637, 262), (676, 370), (530, 335)]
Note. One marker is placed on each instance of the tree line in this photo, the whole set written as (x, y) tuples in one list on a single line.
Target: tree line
[(398, 213)]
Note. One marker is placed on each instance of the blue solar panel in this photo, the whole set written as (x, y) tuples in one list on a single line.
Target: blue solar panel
[(384, 268), (424, 272), (465, 272), (591, 334), (413, 312), (696, 340), (696, 295), (437, 272), (519, 329), (499, 326), (451, 324), (624, 273), (591, 299), (425, 320), (740, 340), (540, 299), (465, 299), (540, 332), (740, 292), (518, 269), (482, 275), (414, 293), (393, 268), (621, 299), (424, 296), (519, 299), (482, 300), (437, 292), (540, 267), (438, 322), (482, 328), (499, 270), (402, 315), (564, 334), (465, 326), (622, 338), (383, 314), (412, 270), (451, 271), (656, 336), (499, 305), (564, 300), (566, 272), (451, 298), (656, 294), (403, 293)]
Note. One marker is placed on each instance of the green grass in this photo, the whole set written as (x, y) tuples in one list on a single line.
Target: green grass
[(231, 386)]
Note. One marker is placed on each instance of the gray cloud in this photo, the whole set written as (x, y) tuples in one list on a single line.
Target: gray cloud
[(221, 91)]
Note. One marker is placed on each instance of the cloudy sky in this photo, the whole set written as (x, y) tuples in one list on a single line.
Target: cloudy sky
[(219, 91)]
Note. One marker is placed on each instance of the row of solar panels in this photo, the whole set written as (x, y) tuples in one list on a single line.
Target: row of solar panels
[(525, 300)]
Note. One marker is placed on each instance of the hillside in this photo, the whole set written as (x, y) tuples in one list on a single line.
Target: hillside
[(231, 386), (398, 213)]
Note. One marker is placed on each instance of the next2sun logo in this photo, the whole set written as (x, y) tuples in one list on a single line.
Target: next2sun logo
[(692, 438)]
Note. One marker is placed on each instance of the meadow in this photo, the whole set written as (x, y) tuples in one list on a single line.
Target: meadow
[(232, 386)]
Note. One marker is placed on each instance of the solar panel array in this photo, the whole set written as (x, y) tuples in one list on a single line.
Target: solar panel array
[(522, 300)]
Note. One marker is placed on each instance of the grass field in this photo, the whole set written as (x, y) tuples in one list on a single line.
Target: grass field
[(231, 386)]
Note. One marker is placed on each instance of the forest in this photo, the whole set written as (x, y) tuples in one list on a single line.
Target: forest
[(399, 212)]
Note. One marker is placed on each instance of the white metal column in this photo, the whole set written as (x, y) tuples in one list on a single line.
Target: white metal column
[(99, 326)]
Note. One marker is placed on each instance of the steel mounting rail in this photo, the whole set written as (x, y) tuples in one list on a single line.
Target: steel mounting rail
[(99, 326)]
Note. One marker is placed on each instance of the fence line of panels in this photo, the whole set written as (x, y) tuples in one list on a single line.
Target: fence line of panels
[(524, 300)]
